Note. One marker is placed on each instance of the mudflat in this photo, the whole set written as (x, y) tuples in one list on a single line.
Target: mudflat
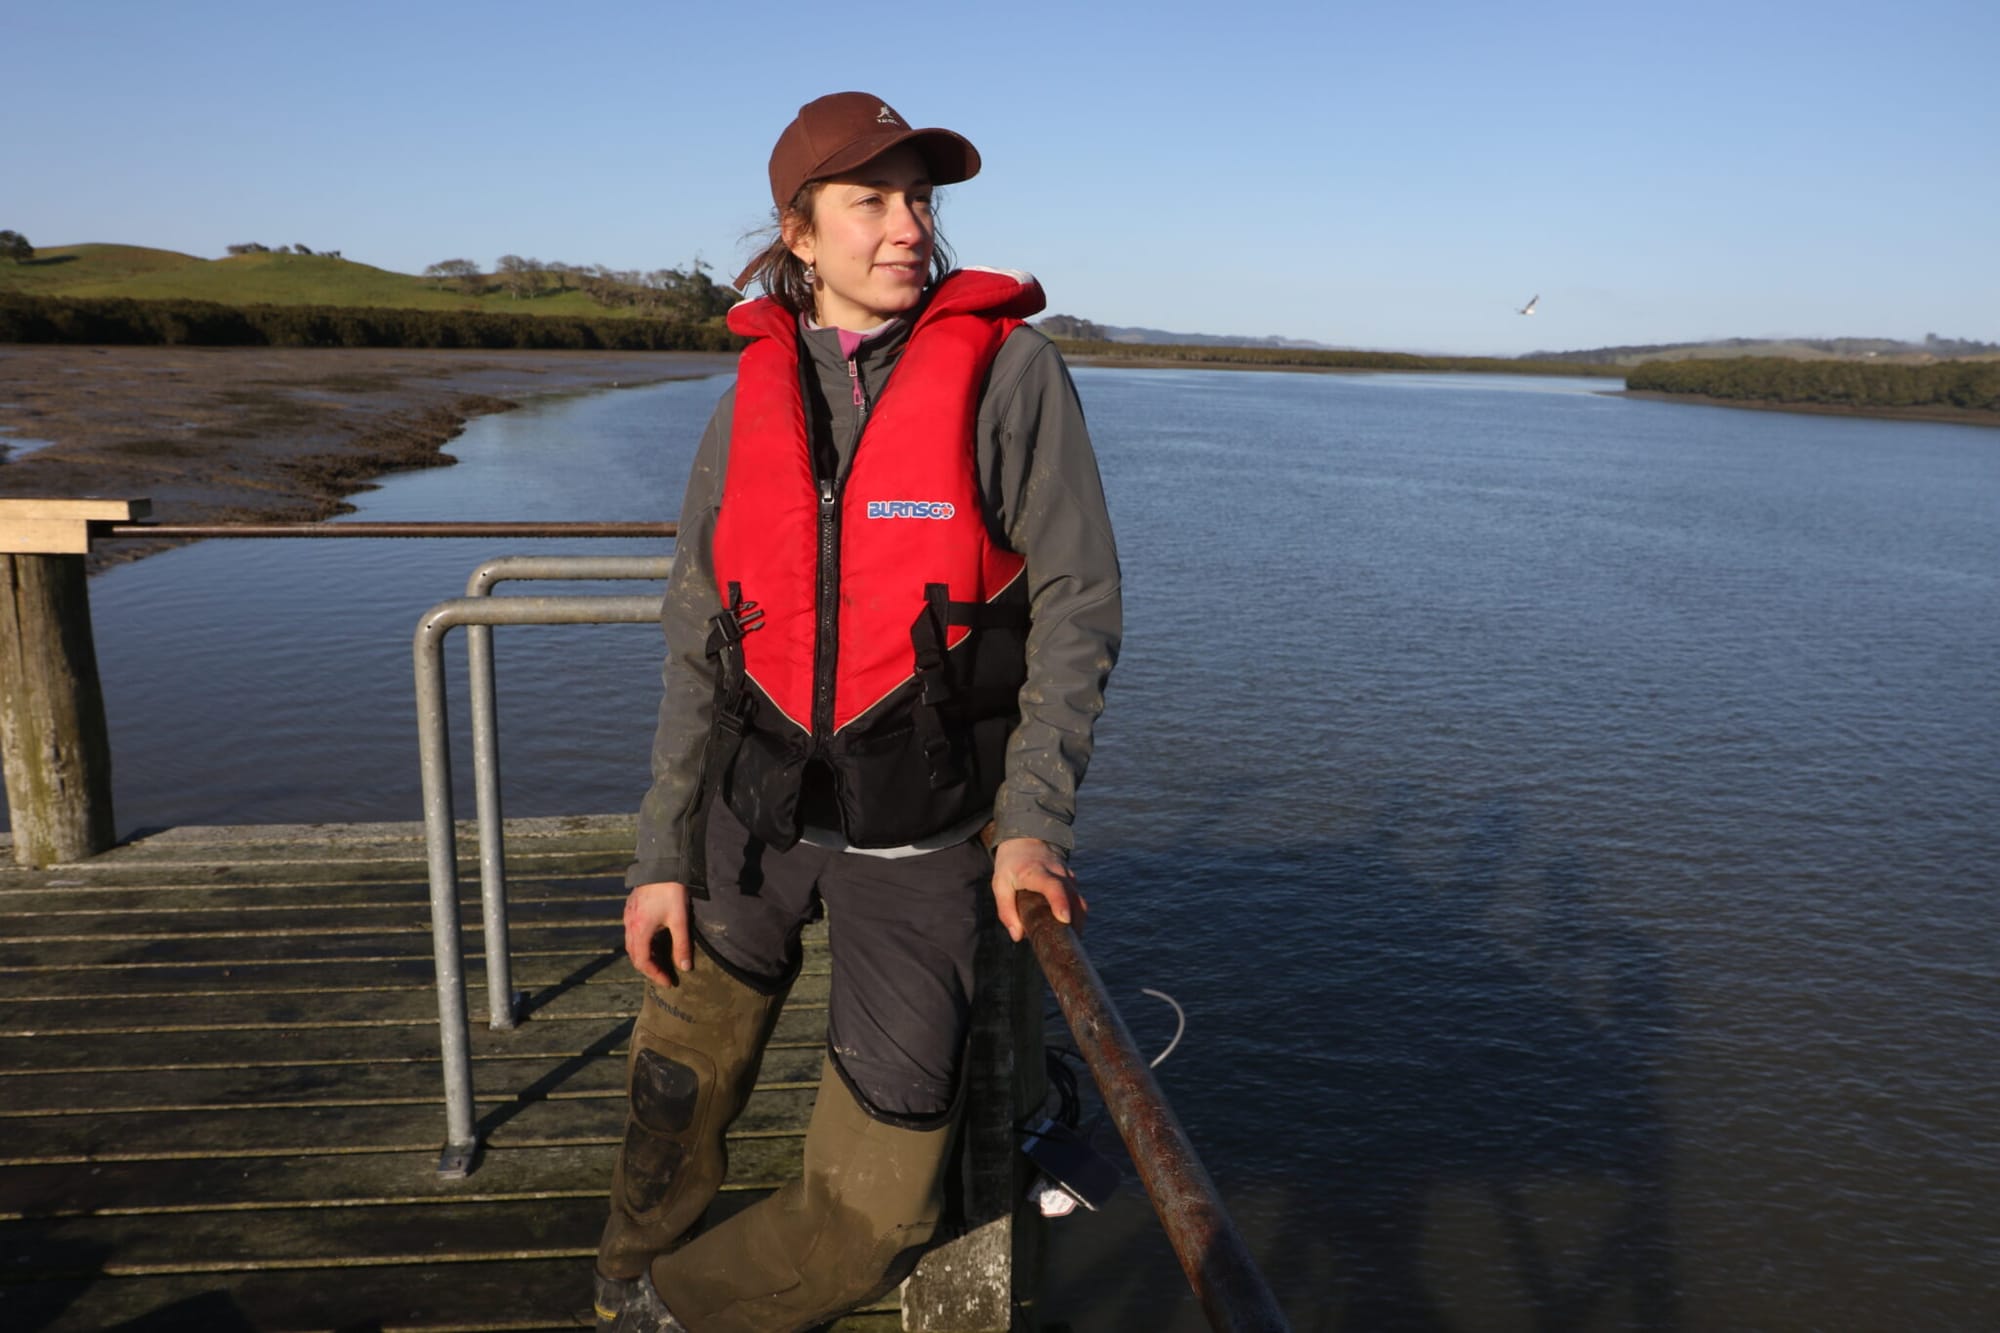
[(267, 434)]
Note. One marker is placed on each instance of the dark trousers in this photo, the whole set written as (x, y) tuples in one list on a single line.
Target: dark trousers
[(901, 934)]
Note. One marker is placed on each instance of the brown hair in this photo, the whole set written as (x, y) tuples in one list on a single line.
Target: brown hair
[(783, 274)]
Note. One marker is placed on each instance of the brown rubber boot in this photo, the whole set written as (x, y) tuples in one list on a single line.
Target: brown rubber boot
[(633, 1307), (695, 1053), (843, 1234)]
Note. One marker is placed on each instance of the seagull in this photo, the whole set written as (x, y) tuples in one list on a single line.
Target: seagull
[(1529, 308)]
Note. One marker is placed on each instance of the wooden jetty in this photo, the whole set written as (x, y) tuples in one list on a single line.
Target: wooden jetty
[(220, 1095), (221, 1050)]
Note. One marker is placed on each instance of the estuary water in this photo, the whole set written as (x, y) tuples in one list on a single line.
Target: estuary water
[(1571, 824)]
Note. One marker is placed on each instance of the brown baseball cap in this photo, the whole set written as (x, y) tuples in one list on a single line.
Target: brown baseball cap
[(841, 131)]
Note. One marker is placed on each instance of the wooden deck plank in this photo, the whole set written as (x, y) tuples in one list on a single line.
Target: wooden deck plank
[(436, 1231), (542, 1037), (318, 1131), (251, 1008), (590, 966), (255, 1183), (318, 865), (221, 1101), (534, 969), (391, 899), (305, 919), (328, 857), (66, 1093), (227, 947), (164, 931), (502, 1296), (257, 895), (570, 834), (26, 942)]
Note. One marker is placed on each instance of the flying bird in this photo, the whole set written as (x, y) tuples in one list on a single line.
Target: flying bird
[(1529, 308)]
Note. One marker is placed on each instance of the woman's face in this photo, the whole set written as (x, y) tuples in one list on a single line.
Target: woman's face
[(870, 241)]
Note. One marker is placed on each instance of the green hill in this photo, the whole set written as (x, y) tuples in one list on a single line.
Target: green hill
[(138, 273), (55, 271), (1871, 350)]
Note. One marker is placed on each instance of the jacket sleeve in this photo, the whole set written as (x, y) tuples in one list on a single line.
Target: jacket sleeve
[(687, 698), (1039, 474)]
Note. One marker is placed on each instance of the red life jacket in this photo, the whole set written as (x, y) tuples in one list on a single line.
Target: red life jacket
[(871, 622)]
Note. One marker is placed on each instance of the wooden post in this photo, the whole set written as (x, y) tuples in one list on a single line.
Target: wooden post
[(53, 741), (988, 1280)]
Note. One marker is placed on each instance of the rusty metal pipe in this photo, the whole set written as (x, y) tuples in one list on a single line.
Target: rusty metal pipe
[(1211, 1250), (389, 530)]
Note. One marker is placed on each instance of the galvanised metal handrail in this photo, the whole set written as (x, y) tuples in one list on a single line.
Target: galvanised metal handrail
[(501, 1002), (1211, 1250), (479, 611), (440, 846)]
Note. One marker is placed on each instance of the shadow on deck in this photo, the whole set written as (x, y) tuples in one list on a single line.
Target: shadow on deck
[(221, 1104)]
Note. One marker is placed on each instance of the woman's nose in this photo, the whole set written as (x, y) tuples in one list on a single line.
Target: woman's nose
[(905, 226)]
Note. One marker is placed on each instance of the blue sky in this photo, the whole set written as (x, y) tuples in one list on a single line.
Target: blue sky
[(1365, 175)]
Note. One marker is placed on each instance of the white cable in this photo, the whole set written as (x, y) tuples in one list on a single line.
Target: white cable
[(1180, 1019)]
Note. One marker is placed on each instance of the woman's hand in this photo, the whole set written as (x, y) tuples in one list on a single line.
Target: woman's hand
[(1033, 866), (650, 909)]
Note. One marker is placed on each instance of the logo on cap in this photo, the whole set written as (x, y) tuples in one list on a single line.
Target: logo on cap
[(885, 116)]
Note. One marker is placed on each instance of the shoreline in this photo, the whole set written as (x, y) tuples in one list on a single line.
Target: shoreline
[(269, 434), (1952, 416), (1958, 416), (1174, 363)]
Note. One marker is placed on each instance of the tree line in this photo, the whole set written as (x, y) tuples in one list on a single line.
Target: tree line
[(665, 293), (259, 248), (1963, 384), (53, 319)]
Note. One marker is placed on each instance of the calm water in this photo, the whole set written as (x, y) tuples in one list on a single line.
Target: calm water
[(1571, 824)]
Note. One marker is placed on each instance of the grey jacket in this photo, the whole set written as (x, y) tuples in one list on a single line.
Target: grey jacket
[(1038, 477)]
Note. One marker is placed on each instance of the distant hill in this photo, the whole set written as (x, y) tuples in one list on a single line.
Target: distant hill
[(272, 277), (1083, 330), (1932, 348)]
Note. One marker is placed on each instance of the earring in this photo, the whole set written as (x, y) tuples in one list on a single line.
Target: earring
[(812, 274)]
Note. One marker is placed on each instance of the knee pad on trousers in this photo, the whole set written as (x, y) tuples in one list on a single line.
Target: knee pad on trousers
[(695, 1054), (666, 1093), (845, 1232)]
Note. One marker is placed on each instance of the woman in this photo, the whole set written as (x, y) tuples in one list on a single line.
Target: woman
[(873, 655)]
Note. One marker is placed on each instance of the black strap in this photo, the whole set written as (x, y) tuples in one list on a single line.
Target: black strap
[(734, 706), (934, 692), (929, 635), (726, 629), (986, 615)]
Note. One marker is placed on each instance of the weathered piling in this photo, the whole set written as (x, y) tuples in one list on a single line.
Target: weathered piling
[(53, 742)]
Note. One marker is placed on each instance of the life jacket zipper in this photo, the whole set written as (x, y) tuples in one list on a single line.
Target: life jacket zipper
[(860, 403), (826, 646), (826, 653)]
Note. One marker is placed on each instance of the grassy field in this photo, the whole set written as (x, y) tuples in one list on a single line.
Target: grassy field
[(140, 273)]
